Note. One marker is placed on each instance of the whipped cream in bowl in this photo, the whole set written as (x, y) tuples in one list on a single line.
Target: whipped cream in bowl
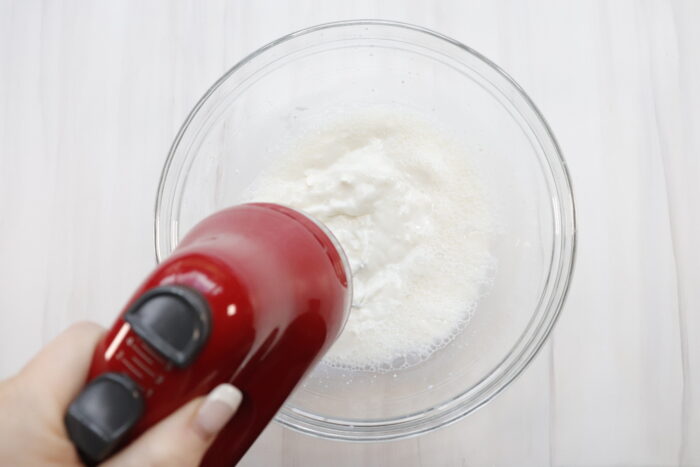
[(409, 211), (441, 181)]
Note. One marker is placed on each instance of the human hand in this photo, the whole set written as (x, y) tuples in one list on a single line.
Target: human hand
[(34, 402)]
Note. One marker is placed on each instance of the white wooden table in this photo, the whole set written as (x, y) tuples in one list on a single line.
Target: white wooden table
[(92, 93)]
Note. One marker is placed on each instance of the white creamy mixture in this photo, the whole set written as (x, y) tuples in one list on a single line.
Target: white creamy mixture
[(408, 209)]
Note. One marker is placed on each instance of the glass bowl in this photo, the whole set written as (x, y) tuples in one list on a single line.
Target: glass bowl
[(238, 127)]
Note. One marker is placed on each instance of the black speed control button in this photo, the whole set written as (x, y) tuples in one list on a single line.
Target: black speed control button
[(102, 415), (173, 320)]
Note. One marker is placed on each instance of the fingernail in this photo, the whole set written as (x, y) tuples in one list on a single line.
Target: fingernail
[(218, 408)]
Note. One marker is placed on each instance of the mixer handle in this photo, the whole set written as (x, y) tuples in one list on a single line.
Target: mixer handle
[(175, 322)]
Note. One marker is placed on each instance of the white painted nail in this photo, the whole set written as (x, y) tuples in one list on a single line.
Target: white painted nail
[(218, 408)]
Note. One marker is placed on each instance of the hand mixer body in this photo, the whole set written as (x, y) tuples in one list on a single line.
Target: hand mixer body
[(262, 291)]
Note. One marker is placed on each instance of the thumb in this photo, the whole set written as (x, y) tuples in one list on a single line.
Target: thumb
[(182, 438)]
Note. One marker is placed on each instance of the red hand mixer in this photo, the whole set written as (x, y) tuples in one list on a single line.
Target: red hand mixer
[(253, 295)]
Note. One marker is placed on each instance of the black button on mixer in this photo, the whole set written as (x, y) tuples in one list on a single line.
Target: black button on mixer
[(102, 414), (174, 320)]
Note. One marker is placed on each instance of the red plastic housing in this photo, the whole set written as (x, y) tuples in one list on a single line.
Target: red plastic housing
[(279, 294)]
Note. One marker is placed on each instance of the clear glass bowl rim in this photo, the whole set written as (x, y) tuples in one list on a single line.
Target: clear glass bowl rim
[(460, 406)]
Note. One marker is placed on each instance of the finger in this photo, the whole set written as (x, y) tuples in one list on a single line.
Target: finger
[(60, 369), (183, 437)]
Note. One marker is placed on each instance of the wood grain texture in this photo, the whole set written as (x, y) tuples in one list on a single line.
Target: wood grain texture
[(92, 94)]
